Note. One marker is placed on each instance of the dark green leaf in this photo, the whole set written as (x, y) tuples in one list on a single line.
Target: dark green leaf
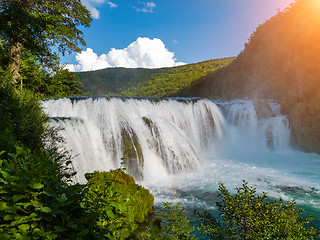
[(17, 197), (36, 204), (36, 185), (45, 209), (59, 229), (24, 227)]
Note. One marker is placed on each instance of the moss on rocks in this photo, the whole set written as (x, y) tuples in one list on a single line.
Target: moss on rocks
[(133, 153)]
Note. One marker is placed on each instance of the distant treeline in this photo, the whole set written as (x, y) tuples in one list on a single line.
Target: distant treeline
[(161, 82), (281, 61)]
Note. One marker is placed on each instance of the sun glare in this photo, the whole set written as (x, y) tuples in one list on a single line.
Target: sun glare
[(314, 6), (317, 3)]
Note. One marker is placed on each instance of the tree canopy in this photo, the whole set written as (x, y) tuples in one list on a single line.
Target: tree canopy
[(38, 25)]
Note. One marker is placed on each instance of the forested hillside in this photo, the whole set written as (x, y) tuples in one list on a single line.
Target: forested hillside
[(162, 82), (280, 61), (113, 81)]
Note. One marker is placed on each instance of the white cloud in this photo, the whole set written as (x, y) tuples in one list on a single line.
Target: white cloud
[(147, 7), (88, 61), (91, 5), (142, 53)]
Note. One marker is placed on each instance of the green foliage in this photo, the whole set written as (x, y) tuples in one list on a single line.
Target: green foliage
[(171, 224), (116, 204), (63, 84), (174, 80), (32, 75), (163, 82), (38, 25), (4, 57), (60, 83), (176, 225), (21, 120), (113, 81), (249, 216), (39, 201), (35, 200)]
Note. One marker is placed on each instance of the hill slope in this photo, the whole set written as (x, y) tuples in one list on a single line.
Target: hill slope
[(281, 61), (162, 82)]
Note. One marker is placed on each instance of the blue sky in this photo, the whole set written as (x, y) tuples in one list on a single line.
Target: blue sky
[(193, 31)]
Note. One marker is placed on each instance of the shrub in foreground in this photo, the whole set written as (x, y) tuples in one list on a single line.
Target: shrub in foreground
[(36, 201), (171, 224), (116, 204), (248, 216)]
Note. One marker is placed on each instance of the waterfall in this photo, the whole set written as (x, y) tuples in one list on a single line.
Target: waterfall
[(156, 137), (159, 138)]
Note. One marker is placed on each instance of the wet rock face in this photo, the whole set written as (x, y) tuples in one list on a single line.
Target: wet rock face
[(263, 109), (133, 158)]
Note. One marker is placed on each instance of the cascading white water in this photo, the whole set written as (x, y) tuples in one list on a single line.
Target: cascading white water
[(180, 149), (271, 132), (165, 137)]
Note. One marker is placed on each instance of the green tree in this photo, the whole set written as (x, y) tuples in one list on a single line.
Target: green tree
[(63, 84), (249, 216), (37, 25), (60, 83), (32, 75)]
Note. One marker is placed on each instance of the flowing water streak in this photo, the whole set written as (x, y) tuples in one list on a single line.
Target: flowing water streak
[(268, 133)]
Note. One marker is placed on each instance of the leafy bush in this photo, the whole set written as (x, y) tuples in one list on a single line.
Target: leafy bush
[(116, 204), (36, 201), (63, 84), (248, 216), (175, 225)]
